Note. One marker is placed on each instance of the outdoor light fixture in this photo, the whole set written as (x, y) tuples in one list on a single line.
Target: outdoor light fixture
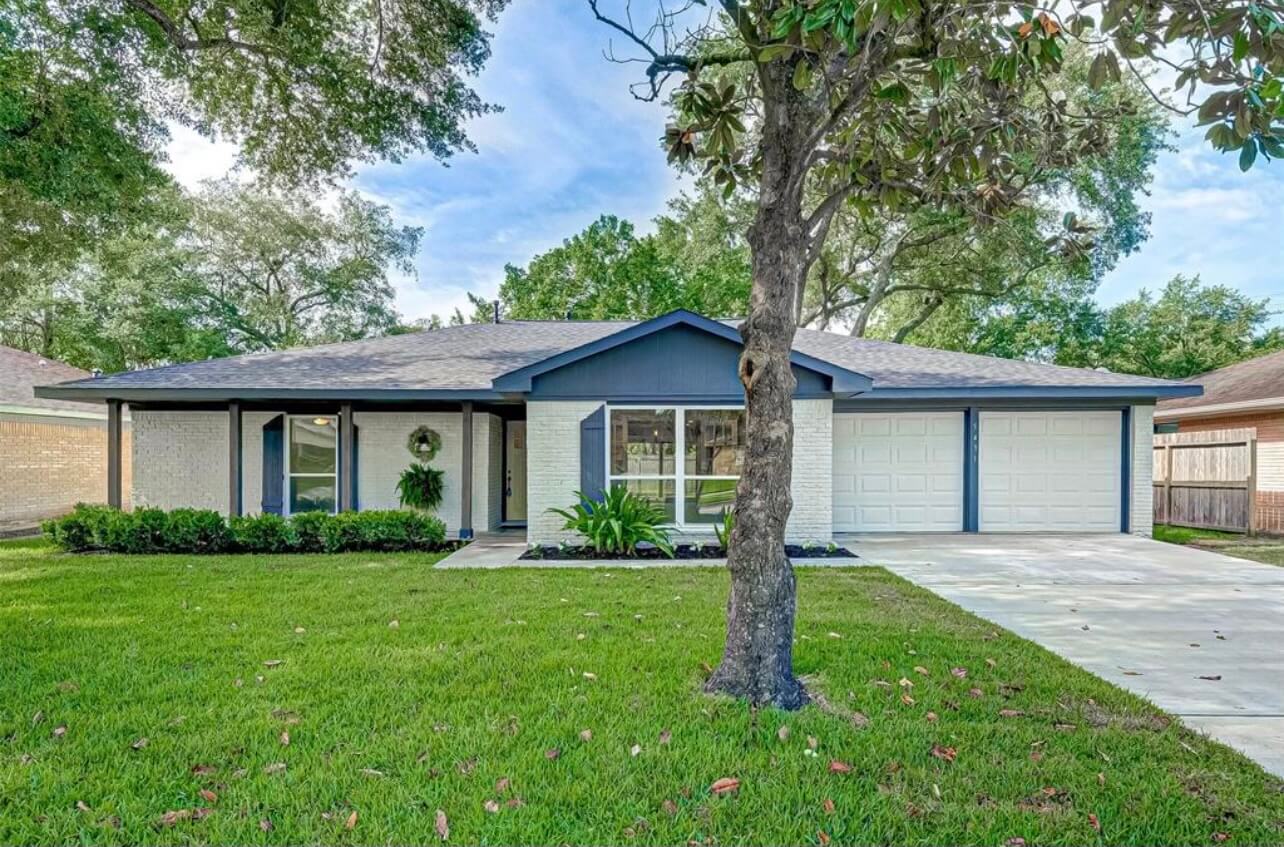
[(321, 421)]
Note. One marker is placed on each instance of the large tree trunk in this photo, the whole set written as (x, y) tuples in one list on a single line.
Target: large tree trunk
[(757, 662)]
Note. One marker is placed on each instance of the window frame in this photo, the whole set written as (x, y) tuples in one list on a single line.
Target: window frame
[(289, 475), (680, 475)]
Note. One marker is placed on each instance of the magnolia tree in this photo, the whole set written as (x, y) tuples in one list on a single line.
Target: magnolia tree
[(895, 104)]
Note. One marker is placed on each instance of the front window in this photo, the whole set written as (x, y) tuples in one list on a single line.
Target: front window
[(312, 464), (643, 456)]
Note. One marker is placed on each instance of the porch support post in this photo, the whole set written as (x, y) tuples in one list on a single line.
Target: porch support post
[(466, 482), (114, 498), (234, 504), (345, 457)]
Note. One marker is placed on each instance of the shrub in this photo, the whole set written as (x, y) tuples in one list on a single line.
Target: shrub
[(619, 523), (197, 531), (723, 528), (383, 530), (309, 531), (265, 533), (85, 528), (421, 487), (139, 531)]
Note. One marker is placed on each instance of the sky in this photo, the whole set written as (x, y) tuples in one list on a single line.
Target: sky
[(571, 144)]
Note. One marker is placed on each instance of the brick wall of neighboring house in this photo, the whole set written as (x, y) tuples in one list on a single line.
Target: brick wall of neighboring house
[(50, 463), (1270, 460), (1141, 521)]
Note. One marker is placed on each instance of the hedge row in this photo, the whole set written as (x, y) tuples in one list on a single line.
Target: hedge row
[(101, 528)]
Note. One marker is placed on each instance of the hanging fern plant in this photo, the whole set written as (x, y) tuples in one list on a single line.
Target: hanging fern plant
[(420, 487)]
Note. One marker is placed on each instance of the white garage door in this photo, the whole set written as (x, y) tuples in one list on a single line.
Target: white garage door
[(1049, 471), (898, 472)]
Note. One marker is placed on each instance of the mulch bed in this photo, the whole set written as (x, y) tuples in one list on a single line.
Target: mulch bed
[(681, 551)]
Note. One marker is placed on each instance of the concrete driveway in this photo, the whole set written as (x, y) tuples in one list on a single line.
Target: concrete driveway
[(1116, 604)]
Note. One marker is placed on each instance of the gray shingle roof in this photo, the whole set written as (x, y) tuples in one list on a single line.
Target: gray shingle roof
[(20, 372), (469, 357), (1256, 379)]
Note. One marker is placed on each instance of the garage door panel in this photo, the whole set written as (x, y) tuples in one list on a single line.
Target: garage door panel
[(898, 472), (1049, 471)]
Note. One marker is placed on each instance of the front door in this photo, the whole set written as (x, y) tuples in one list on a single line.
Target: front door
[(515, 472)]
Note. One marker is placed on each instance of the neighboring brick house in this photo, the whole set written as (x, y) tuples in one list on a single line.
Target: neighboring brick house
[(1248, 395), (53, 454)]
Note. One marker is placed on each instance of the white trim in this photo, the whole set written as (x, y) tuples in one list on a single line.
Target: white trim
[(285, 463), (679, 476), (1264, 405), (42, 412)]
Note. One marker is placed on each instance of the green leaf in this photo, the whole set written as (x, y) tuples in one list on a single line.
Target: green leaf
[(802, 76), (1241, 47), (774, 51), (1247, 155)]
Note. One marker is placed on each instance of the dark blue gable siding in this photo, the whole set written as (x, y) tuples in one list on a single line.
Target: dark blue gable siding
[(678, 363)]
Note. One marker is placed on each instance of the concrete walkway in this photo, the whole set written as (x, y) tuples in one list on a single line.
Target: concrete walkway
[(1167, 615)]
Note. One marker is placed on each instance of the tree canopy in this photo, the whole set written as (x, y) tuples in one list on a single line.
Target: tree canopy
[(237, 268)]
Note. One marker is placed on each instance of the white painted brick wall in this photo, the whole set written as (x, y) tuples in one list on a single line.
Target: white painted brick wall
[(1142, 519), (812, 518), (553, 469), (552, 464), (252, 460), (180, 460)]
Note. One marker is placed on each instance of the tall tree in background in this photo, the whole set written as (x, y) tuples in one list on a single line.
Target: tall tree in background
[(305, 89), (1188, 329), (885, 103), (237, 268)]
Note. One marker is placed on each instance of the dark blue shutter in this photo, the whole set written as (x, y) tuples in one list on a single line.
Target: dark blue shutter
[(274, 466), (593, 454), (356, 473)]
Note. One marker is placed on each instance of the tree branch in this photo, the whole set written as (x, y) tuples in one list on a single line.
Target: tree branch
[(175, 35)]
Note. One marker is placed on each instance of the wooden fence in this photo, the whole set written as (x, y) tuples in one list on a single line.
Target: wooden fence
[(1207, 479)]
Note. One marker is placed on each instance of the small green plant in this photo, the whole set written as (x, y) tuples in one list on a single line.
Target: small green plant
[(617, 524), (84, 529), (831, 547), (421, 487), (723, 528), (309, 531), (197, 531)]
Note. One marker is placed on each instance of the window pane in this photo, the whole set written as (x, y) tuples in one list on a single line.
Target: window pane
[(311, 494), (704, 499), (642, 442), (659, 491), (312, 445), (715, 442)]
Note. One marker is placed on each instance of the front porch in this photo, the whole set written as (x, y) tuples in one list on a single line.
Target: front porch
[(242, 458)]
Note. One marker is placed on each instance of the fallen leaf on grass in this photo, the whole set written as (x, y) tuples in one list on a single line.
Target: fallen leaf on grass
[(394, 624), (586, 735), (1094, 822), (920, 670), (351, 822), (1014, 842), (835, 766), (828, 806), (1010, 713), (635, 749), (961, 673), (491, 806), (931, 716), (1064, 727), (514, 802), (203, 770), (783, 733), (822, 837), (173, 817), (60, 730), (905, 683), (82, 807), (275, 767), (208, 796), (812, 743), (726, 785), (501, 785), (371, 772), (1221, 837), (552, 753), (670, 808), (273, 663), (975, 693), (442, 825), (37, 718), (947, 754), (590, 676), (139, 744), (665, 736), (907, 700), (285, 739), (265, 825)]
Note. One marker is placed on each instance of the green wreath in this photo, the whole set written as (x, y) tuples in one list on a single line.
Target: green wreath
[(424, 443)]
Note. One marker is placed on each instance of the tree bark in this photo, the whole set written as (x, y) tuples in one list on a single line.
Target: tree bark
[(757, 662)]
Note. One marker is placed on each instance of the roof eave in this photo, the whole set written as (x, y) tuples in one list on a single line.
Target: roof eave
[(1264, 404), (1046, 392), (104, 393)]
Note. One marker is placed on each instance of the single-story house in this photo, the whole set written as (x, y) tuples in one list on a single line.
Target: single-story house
[(888, 437), (1247, 395), (53, 453)]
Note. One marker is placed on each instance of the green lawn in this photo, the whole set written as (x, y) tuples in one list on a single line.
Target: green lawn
[(486, 672), (1269, 551)]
